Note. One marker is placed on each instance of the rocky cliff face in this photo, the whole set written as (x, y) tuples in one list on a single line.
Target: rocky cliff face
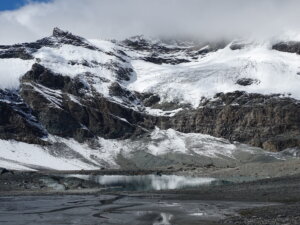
[(96, 100), (66, 108), (17, 121), (290, 46), (266, 121)]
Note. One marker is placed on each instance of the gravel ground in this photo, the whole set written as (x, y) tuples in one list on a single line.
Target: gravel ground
[(250, 171), (288, 214), (284, 190)]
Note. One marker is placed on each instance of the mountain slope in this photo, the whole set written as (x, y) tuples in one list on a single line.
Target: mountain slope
[(93, 103), (267, 72)]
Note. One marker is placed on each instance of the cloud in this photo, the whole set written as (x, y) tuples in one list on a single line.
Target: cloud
[(122, 18)]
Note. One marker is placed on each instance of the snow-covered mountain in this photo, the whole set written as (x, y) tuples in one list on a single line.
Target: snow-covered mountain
[(71, 103)]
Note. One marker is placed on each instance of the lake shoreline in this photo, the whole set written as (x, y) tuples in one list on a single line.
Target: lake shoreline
[(283, 191)]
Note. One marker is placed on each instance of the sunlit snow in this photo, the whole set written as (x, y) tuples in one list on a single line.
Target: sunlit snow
[(11, 70), (218, 72)]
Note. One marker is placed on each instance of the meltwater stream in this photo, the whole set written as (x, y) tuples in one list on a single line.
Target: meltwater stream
[(147, 182)]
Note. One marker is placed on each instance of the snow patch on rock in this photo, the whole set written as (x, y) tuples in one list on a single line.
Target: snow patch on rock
[(11, 70)]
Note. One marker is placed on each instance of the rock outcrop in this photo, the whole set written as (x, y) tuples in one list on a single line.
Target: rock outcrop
[(268, 121), (17, 121), (61, 106), (291, 47)]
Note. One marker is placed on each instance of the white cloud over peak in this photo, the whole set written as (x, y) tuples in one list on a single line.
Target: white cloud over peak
[(123, 18)]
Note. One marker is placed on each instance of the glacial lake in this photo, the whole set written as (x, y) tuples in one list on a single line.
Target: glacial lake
[(147, 182)]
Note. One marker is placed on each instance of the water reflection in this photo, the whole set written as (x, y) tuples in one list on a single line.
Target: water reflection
[(164, 219), (157, 218), (148, 182)]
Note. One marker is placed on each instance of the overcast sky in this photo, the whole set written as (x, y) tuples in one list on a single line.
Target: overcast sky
[(122, 18)]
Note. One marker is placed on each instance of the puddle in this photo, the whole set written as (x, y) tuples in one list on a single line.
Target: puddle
[(147, 182), (114, 210)]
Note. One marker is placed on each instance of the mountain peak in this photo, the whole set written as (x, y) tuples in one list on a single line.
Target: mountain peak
[(57, 32)]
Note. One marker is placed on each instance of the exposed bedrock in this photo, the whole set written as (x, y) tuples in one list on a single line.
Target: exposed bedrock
[(16, 120), (65, 107), (266, 121), (290, 46)]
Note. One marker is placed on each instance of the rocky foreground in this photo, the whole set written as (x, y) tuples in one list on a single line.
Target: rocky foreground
[(281, 192)]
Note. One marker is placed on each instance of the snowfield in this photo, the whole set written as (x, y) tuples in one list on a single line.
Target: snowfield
[(276, 72), (77, 61), (71, 155), (11, 70)]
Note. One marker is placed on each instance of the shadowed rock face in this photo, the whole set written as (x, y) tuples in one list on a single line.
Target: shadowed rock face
[(51, 97), (291, 47), (15, 53), (17, 121), (50, 103), (246, 81), (260, 120)]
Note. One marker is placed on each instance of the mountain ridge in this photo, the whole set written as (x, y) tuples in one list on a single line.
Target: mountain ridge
[(85, 90)]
